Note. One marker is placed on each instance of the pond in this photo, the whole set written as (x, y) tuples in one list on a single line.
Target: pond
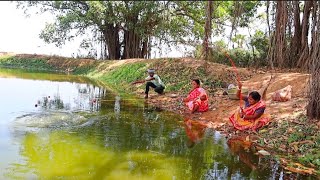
[(56, 126)]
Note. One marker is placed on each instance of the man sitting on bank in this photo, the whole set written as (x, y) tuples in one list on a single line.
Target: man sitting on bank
[(154, 81)]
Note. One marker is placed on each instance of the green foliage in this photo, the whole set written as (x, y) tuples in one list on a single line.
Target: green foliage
[(249, 9), (296, 137), (239, 39), (26, 63), (301, 140), (84, 69), (241, 57), (313, 158), (260, 42)]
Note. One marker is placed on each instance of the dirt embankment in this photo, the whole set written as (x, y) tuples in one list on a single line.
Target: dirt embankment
[(221, 107)]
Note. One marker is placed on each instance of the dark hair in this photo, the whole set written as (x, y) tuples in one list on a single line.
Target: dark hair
[(197, 81), (255, 95)]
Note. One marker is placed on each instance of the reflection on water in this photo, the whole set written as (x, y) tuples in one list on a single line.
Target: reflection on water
[(117, 107), (87, 98), (70, 155), (195, 132), (82, 131)]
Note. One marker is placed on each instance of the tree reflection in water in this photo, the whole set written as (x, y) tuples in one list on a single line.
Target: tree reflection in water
[(48, 102), (117, 107), (88, 98)]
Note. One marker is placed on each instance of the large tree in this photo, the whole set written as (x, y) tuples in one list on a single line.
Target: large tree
[(124, 27)]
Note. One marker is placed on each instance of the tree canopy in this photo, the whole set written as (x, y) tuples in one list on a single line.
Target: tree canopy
[(129, 29)]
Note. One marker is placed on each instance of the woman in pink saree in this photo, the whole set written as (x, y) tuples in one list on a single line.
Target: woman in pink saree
[(197, 99), (252, 117)]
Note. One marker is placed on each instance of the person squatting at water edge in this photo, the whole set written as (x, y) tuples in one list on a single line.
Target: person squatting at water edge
[(252, 116), (197, 99), (154, 81)]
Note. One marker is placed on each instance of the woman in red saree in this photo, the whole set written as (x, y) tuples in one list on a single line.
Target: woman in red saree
[(197, 99), (252, 117)]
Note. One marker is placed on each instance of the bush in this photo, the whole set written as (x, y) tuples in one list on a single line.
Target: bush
[(241, 57)]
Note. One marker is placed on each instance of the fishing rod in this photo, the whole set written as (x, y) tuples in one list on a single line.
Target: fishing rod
[(118, 100), (235, 69), (236, 72), (238, 77)]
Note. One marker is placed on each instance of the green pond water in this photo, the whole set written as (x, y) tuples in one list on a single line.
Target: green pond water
[(55, 126)]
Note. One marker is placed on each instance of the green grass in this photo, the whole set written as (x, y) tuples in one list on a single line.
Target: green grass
[(121, 77), (305, 153), (26, 63), (84, 70)]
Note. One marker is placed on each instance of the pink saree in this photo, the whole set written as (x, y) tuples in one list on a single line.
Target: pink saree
[(194, 98)]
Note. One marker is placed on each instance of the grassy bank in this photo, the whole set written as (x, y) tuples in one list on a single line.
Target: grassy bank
[(176, 73)]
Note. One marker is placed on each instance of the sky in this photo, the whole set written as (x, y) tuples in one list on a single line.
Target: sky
[(20, 34)]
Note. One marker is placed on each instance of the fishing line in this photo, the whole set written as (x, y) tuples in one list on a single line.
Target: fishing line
[(118, 100), (234, 67)]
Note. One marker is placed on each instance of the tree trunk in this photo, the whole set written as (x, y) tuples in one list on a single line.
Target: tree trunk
[(144, 50), (236, 14), (296, 40), (207, 30), (313, 107), (278, 44), (149, 48), (111, 35), (133, 45), (304, 54), (270, 51), (268, 19)]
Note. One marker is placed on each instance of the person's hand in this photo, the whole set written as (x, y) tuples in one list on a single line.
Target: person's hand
[(241, 112), (150, 79)]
